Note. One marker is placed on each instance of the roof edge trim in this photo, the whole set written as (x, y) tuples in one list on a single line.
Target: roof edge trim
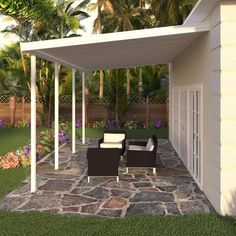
[(114, 37)]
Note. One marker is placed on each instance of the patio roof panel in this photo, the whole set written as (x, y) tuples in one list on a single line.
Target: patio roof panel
[(118, 50)]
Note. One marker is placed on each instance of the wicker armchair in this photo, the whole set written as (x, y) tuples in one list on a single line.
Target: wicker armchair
[(103, 162), (113, 139), (140, 155)]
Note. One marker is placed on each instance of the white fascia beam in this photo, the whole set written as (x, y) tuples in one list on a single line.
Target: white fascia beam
[(83, 107), (33, 124), (73, 113), (114, 37), (56, 123)]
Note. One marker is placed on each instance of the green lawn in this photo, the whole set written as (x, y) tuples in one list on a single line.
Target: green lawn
[(12, 138), (44, 224), (131, 134), (11, 179)]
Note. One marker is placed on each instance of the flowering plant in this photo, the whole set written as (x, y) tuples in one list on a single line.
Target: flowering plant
[(112, 124), (78, 124), (9, 161), (157, 124), (24, 155), (2, 123)]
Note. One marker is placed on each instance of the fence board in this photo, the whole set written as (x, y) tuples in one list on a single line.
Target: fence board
[(95, 111)]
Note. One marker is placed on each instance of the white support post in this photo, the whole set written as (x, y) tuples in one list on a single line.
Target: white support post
[(33, 124), (73, 112), (83, 108), (154, 171), (56, 116)]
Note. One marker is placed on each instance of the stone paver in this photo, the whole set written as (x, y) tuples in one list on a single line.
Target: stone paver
[(172, 191), (115, 203)]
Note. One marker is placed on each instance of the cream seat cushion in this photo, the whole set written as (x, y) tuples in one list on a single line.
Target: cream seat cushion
[(150, 145), (137, 148), (111, 145), (113, 137)]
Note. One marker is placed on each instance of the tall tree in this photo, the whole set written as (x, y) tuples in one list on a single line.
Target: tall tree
[(99, 6), (40, 20)]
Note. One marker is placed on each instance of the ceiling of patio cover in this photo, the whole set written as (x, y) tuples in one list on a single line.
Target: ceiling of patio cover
[(118, 50)]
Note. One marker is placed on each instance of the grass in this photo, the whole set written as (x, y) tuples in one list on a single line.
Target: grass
[(45, 224), (12, 138), (131, 134), (11, 179)]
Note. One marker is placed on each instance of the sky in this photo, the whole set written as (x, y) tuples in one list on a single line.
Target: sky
[(6, 39)]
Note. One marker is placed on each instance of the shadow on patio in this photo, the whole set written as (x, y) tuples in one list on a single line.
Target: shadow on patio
[(171, 191)]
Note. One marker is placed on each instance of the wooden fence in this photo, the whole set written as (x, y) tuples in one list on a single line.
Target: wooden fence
[(143, 109)]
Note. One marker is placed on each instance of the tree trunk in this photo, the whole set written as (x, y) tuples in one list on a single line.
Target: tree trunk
[(101, 86), (24, 67), (128, 82), (12, 102), (140, 82)]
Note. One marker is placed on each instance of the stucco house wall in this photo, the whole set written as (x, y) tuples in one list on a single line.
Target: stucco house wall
[(227, 117), (199, 63), (211, 61)]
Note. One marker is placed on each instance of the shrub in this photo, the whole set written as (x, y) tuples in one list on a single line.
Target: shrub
[(97, 124), (132, 124), (149, 125), (22, 124), (9, 161)]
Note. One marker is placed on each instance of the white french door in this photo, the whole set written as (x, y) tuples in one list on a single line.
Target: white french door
[(195, 134), (187, 127), (183, 141)]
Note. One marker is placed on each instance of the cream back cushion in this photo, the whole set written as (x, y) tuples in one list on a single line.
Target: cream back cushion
[(112, 138), (150, 145)]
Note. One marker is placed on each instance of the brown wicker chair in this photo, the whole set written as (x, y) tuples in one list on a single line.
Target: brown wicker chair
[(103, 162), (142, 157)]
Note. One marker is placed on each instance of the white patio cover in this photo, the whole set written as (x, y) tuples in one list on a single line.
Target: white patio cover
[(118, 50), (105, 51)]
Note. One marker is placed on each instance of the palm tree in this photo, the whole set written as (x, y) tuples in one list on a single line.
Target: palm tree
[(99, 6), (170, 12), (68, 16), (45, 22), (26, 15)]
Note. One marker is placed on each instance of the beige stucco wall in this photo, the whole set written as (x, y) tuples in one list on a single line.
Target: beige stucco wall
[(228, 107), (200, 63)]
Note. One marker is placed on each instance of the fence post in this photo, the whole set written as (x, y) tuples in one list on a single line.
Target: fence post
[(23, 108), (147, 110)]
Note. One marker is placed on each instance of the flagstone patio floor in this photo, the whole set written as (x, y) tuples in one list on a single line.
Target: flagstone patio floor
[(171, 191)]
